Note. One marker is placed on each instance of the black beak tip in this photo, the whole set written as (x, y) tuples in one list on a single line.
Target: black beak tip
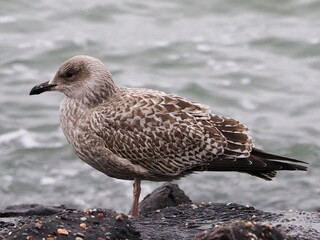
[(43, 87), (34, 91)]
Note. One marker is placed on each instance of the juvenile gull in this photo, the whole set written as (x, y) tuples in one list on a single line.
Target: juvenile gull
[(142, 134)]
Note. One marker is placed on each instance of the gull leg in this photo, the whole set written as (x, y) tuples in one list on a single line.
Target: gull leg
[(136, 196)]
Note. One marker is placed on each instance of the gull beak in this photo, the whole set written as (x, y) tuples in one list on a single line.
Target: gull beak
[(42, 87)]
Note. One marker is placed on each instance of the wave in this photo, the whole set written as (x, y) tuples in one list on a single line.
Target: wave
[(24, 139)]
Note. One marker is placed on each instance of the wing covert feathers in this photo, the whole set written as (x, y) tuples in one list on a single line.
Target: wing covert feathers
[(171, 136)]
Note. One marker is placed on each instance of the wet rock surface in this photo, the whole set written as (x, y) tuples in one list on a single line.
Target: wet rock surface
[(166, 213), (168, 195), (243, 230), (29, 210), (68, 224)]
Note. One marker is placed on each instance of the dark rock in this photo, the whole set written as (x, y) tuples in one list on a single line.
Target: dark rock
[(29, 210), (168, 195), (187, 220), (69, 224), (243, 230), (160, 219)]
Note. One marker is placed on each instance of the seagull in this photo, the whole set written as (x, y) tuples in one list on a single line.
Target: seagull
[(142, 134)]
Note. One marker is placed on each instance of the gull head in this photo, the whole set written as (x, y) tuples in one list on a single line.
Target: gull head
[(82, 78)]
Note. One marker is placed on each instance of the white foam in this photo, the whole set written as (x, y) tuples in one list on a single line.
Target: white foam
[(203, 48), (7, 19), (24, 139), (248, 104), (246, 81), (47, 181), (160, 43)]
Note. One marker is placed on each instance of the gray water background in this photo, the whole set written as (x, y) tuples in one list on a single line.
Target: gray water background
[(257, 61)]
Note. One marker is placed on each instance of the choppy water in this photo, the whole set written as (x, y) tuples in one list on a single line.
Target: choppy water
[(257, 61)]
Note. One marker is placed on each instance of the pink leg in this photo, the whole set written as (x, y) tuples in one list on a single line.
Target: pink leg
[(136, 196)]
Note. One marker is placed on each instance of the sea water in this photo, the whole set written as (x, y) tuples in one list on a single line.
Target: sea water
[(256, 61)]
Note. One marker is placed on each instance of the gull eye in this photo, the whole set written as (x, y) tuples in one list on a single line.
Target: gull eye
[(69, 74)]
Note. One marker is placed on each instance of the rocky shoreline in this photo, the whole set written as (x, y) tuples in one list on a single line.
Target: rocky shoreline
[(167, 213)]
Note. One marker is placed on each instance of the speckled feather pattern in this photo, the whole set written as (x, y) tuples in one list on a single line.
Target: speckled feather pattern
[(133, 133), (163, 134)]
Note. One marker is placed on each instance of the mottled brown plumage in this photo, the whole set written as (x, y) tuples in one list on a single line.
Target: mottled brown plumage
[(142, 134)]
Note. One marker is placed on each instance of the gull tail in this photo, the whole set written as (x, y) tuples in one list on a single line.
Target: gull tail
[(259, 164), (273, 163)]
